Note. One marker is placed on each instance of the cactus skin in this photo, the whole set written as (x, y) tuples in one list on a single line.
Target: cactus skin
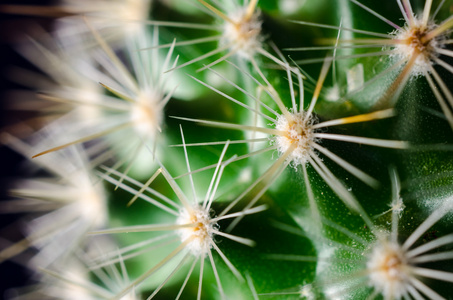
[(328, 232)]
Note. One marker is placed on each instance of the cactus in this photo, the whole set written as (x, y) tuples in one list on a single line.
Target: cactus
[(239, 149)]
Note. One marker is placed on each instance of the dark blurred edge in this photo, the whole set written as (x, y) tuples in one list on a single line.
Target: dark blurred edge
[(11, 28)]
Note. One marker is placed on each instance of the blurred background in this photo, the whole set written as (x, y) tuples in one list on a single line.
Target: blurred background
[(12, 30)]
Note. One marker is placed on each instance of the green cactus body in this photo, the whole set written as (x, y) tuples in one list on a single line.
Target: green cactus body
[(252, 149)]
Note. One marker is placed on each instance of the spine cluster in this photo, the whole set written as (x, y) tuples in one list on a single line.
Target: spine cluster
[(268, 150)]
